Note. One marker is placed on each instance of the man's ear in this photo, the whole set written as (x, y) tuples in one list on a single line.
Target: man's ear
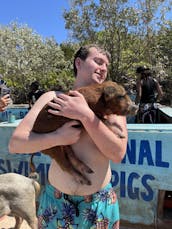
[(77, 62), (109, 93)]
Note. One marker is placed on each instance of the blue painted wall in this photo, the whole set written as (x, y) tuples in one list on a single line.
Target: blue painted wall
[(19, 112), (146, 168)]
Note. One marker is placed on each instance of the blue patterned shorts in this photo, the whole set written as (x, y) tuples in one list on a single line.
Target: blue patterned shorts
[(60, 211)]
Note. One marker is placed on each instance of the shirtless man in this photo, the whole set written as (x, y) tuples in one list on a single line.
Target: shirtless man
[(65, 203)]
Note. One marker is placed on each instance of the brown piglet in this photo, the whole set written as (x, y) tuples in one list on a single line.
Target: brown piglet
[(104, 99)]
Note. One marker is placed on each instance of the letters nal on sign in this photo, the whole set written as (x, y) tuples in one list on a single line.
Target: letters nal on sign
[(145, 169)]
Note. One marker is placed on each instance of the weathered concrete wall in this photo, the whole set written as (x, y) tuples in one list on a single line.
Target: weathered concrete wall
[(18, 110), (146, 168)]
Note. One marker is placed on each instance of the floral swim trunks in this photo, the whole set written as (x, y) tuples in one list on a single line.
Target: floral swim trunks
[(61, 211)]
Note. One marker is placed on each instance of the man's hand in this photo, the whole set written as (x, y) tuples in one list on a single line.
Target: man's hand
[(4, 101), (68, 133), (73, 106)]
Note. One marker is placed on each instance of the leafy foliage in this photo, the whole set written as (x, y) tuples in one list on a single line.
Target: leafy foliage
[(126, 28), (25, 57), (134, 32)]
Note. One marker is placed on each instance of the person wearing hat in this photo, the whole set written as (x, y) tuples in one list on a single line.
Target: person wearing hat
[(148, 89)]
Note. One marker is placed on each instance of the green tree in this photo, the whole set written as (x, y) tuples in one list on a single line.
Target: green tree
[(25, 57), (126, 28)]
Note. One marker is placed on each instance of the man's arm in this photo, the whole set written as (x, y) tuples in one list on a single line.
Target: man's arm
[(107, 141), (24, 140), (159, 90), (138, 91)]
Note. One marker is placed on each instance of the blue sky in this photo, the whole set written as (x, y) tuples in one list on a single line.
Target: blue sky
[(43, 16)]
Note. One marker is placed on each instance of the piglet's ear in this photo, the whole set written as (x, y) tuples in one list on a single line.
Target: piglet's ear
[(109, 93)]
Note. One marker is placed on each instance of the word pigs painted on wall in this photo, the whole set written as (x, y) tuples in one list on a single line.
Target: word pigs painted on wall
[(138, 182)]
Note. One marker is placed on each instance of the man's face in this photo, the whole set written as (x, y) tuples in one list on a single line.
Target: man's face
[(94, 68)]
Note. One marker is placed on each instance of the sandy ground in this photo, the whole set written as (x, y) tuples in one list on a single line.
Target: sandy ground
[(9, 222)]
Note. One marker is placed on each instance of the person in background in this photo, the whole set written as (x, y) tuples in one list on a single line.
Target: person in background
[(35, 93), (4, 95), (64, 203), (148, 89)]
